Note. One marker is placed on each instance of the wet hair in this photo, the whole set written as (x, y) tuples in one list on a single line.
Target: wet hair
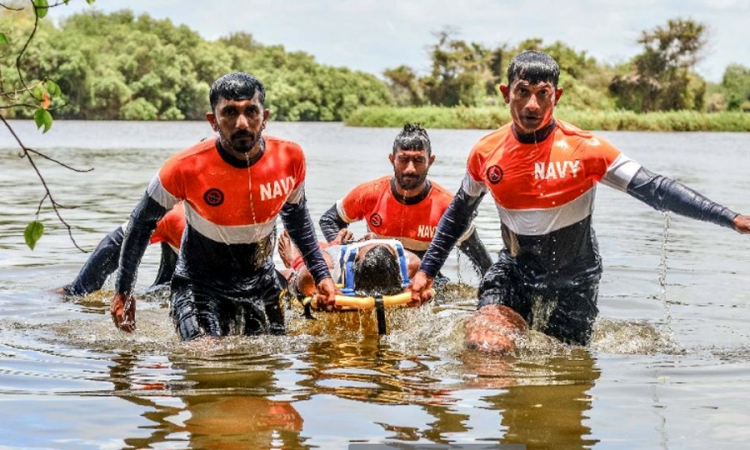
[(412, 137), (378, 272), (534, 67), (236, 86)]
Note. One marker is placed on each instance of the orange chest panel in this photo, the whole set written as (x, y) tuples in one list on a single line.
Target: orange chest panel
[(387, 216), (228, 195), (541, 175)]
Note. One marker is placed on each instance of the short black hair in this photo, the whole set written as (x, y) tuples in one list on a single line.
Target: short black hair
[(534, 67), (236, 86), (412, 137), (378, 272)]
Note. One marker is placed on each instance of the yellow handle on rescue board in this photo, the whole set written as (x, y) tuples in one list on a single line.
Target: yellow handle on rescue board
[(347, 302)]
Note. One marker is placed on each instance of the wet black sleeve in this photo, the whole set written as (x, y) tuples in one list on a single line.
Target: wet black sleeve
[(666, 194), (452, 225), (477, 253), (102, 262), (299, 224), (142, 224), (331, 223), (166, 266)]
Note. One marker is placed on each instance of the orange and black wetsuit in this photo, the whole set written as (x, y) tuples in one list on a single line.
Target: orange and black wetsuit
[(225, 280), (106, 257), (413, 221), (543, 186)]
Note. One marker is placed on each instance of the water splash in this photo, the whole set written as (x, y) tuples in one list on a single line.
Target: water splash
[(631, 337), (663, 278)]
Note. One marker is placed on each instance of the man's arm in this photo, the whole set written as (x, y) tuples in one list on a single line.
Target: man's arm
[(102, 262), (331, 223), (453, 224), (299, 225), (142, 224), (137, 236), (665, 194), (477, 253)]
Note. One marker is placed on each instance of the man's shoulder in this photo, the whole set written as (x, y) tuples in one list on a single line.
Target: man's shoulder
[(378, 184), (491, 140), (580, 139), (569, 129), (277, 143), (197, 149), (439, 191), (197, 152)]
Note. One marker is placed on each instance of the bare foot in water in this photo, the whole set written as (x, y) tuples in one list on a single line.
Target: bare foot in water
[(494, 329), (287, 251)]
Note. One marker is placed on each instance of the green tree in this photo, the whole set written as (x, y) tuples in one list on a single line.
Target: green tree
[(736, 85), (405, 86), (662, 78), (460, 71), (584, 81), (20, 94), (123, 66)]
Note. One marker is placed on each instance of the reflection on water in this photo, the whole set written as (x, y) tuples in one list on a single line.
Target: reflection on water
[(666, 369)]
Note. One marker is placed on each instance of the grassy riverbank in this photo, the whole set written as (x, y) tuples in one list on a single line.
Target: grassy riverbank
[(492, 117)]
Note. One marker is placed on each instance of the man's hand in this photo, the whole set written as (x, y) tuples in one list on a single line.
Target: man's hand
[(420, 289), (344, 236), (326, 294), (123, 312), (742, 224), (368, 236)]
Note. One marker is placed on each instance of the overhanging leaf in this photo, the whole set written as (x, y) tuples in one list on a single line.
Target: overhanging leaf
[(3, 39), (33, 232), (41, 8), (43, 117), (38, 92), (53, 88)]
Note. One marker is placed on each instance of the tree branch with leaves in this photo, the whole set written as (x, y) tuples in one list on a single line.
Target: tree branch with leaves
[(33, 95)]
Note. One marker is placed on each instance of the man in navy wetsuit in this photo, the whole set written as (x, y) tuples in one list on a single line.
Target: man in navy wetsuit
[(542, 173), (233, 188), (406, 205), (104, 260)]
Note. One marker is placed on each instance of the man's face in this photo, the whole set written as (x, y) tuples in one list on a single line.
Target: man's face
[(410, 167), (531, 105), (239, 123)]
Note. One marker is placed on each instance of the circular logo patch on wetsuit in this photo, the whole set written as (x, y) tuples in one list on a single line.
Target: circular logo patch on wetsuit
[(494, 174), (376, 220), (214, 197)]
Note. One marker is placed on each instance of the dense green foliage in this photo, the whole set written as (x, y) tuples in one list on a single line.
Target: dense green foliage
[(661, 78), (119, 66), (468, 74), (736, 81), (122, 66), (486, 118)]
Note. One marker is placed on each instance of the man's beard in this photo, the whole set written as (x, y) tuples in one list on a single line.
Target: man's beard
[(410, 182), (240, 141)]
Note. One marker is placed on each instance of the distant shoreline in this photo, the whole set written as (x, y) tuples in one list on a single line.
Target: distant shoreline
[(489, 118)]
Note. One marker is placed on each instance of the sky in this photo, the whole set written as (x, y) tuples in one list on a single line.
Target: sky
[(374, 35)]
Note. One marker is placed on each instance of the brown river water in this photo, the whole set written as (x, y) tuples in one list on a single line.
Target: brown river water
[(669, 366)]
